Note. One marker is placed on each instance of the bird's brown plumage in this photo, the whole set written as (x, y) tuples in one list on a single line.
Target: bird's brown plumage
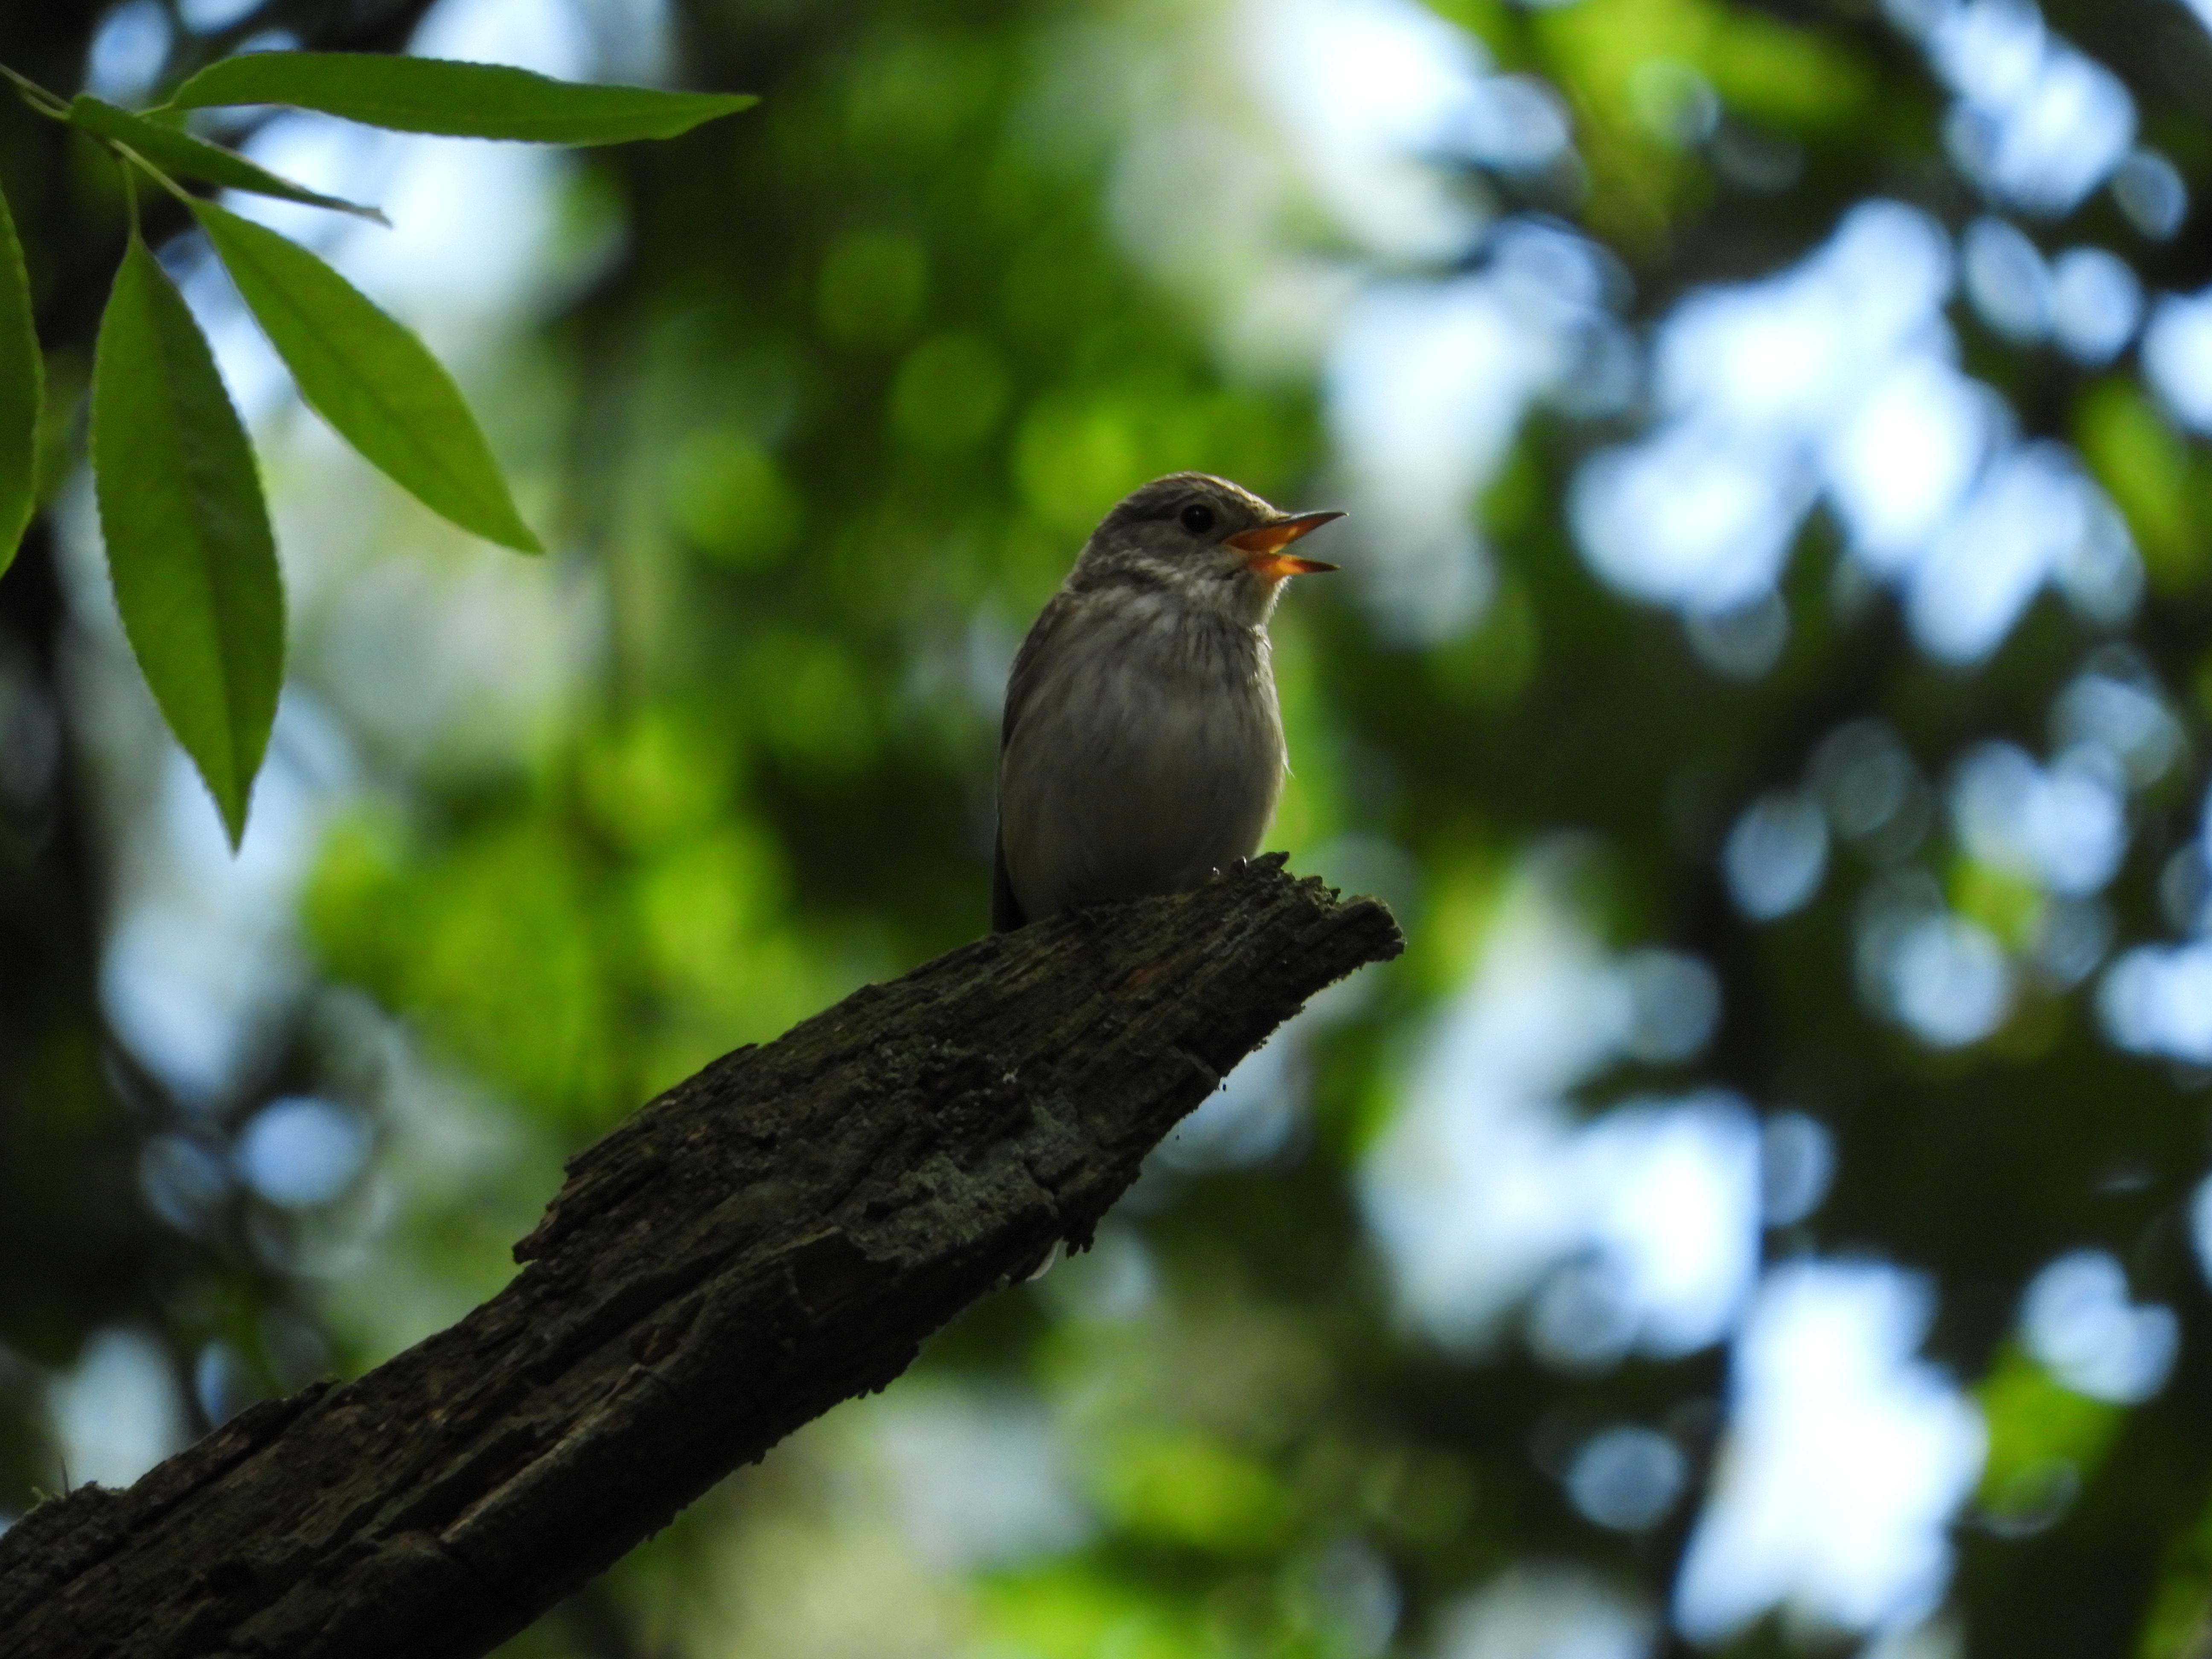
[(1141, 748)]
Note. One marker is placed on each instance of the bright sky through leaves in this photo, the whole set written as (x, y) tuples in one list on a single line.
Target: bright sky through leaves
[(1770, 445)]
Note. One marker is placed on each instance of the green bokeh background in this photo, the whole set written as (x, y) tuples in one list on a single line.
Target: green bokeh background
[(814, 406)]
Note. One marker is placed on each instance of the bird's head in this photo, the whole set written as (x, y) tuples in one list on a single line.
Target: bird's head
[(1212, 543)]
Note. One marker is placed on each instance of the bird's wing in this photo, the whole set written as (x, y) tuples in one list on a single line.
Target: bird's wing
[(1006, 911), (1022, 680)]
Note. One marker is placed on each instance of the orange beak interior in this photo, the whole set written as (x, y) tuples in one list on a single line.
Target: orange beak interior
[(1262, 546)]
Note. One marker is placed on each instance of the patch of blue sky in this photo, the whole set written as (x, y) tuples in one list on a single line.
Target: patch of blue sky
[(2156, 999), (201, 960), (2034, 122), (1453, 320), (2077, 1321), (117, 1411), (1836, 380), (1635, 1231), (1845, 1457)]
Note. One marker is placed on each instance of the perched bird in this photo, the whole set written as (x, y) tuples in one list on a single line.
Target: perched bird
[(1142, 747)]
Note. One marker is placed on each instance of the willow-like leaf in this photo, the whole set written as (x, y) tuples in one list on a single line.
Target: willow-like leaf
[(461, 100), (21, 387), (188, 545), (188, 157), (369, 378)]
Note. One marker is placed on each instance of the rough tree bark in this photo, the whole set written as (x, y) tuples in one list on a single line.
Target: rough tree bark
[(772, 1236)]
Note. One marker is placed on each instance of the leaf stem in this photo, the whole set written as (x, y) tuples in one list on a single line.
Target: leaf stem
[(36, 96), (151, 171)]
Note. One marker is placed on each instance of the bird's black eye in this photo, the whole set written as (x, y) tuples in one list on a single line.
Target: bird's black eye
[(1196, 519)]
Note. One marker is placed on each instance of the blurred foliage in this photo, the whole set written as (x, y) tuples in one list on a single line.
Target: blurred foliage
[(820, 426)]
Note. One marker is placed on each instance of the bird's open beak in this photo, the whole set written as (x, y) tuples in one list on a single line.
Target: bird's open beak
[(1262, 546)]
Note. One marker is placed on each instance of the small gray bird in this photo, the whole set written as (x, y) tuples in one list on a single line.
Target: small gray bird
[(1142, 748)]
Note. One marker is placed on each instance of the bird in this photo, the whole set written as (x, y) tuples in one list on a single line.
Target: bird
[(1141, 749)]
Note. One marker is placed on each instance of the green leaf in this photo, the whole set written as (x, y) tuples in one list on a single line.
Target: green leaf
[(22, 387), (188, 541), (461, 100), (194, 158), (369, 378)]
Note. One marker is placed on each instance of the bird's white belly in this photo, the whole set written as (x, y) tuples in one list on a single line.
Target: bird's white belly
[(1164, 769)]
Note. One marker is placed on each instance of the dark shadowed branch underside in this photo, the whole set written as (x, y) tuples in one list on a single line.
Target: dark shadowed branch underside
[(773, 1236)]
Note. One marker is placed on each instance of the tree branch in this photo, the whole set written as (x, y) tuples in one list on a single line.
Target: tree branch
[(774, 1235)]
